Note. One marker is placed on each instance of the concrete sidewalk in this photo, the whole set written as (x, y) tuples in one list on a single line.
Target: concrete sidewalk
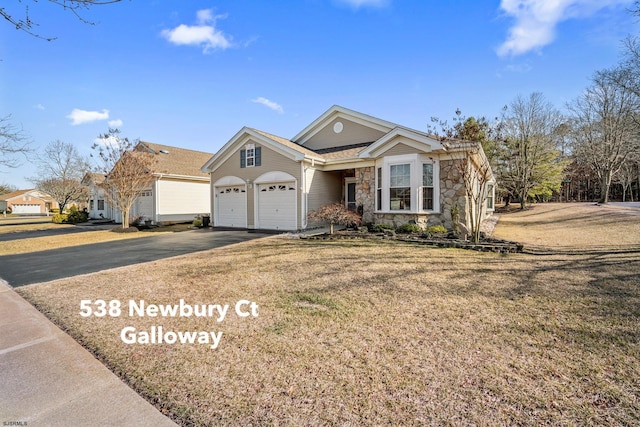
[(48, 379)]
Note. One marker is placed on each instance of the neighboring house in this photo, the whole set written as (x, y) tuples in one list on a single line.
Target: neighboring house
[(179, 192), (98, 203), (28, 202), (388, 173)]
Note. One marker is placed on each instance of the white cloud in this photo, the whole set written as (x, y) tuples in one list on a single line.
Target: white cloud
[(79, 117), (269, 104), (536, 21), (204, 34), (365, 3), (40, 107), (114, 123)]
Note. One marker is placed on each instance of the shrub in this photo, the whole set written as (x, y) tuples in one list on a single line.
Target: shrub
[(136, 221), (125, 230), (59, 218), (75, 216), (409, 229), (335, 213), (197, 222), (437, 229), (381, 228)]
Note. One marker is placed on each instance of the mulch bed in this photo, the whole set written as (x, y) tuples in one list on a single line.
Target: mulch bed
[(439, 240)]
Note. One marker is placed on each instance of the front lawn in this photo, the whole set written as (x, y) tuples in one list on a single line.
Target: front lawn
[(376, 333)]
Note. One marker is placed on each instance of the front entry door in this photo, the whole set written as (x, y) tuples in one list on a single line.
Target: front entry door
[(350, 194)]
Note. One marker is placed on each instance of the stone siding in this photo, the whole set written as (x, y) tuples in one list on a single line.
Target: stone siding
[(451, 192), (365, 192)]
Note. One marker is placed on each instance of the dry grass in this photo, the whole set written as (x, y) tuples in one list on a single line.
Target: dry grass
[(572, 227), (44, 243), (379, 333), (16, 227)]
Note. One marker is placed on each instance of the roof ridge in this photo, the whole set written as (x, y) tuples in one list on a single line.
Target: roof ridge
[(174, 147)]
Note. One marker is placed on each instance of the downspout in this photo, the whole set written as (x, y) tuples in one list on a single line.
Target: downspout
[(303, 187)]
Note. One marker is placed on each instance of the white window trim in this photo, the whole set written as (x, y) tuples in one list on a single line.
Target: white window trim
[(251, 147), (347, 181), (415, 161), (491, 193)]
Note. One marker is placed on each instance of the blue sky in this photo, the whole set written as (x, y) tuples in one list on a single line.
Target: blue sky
[(192, 73)]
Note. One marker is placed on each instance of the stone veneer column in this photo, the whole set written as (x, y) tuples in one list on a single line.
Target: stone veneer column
[(365, 192), (451, 191)]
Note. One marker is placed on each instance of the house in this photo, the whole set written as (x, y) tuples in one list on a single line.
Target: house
[(98, 203), (388, 173), (179, 191), (28, 202)]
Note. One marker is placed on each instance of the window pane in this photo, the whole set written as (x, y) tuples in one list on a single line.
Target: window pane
[(427, 175), (400, 199), (400, 176), (379, 178), (427, 198), (490, 196)]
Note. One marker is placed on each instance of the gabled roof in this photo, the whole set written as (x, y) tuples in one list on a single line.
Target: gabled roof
[(31, 192), (279, 144), (392, 134), (14, 194), (92, 178), (416, 139), (290, 144), (337, 111), (177, 161)]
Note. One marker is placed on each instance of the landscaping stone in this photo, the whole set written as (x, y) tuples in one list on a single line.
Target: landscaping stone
[(442, 241)]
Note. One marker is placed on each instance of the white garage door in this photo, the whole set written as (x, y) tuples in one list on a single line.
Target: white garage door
[(231, 207), (144, 205), (277, 206), (25, 209)]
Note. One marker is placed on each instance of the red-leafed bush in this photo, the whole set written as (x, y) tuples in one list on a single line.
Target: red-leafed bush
[(335, 213)]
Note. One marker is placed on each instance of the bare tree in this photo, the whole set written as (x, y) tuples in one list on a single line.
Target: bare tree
[(531, 161), (7, 188), (21, 19), (606, 134), (12, 142), (626, 176), (61, 169), (128, 171)]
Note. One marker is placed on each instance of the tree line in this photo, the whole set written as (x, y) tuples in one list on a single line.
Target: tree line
[(539, 153)]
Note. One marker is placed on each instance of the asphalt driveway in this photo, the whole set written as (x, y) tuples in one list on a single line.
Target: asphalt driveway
[(17, 235), (36, 267)]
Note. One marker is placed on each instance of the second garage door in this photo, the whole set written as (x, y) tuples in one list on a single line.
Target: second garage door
[(26, 209), (231, 205), (277, 206)]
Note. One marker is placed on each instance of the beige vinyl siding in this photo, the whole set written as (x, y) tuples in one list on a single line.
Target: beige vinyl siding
[(323, 188), (399, 150), (182, 197), (270, 161), (352, 133)]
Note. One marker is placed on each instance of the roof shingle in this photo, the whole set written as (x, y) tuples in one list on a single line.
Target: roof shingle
[(178, 161)]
